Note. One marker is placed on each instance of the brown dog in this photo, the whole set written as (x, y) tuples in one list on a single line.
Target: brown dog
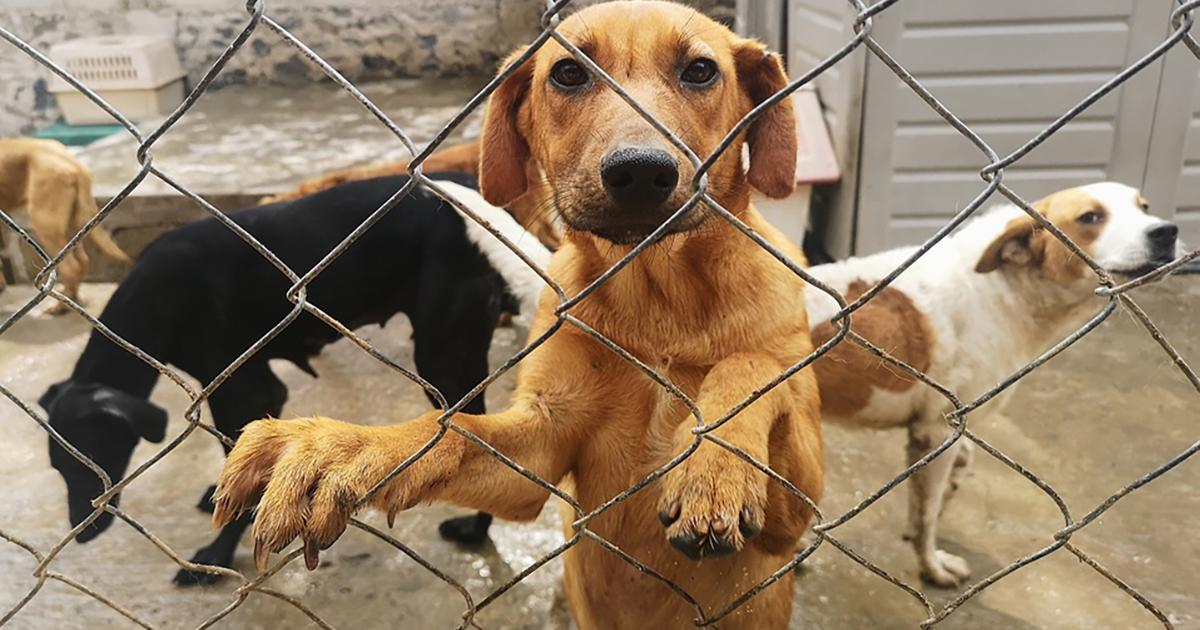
[(56, 189), (706, 306), (532, 210)]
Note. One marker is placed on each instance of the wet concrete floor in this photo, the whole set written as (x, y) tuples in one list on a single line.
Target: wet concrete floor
[(1107, 411)]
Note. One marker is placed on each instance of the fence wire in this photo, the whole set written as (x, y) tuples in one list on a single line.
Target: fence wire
[(1118, 296)]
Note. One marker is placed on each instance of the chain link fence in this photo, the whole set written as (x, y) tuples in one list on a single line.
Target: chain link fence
[(1117, 296)]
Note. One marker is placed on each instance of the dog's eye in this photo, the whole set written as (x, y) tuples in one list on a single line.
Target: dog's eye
[(568, 73), (700, 72), (1145, 206), (1090, 218)]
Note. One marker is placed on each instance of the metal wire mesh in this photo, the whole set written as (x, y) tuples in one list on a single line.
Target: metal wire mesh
[(826, 525)]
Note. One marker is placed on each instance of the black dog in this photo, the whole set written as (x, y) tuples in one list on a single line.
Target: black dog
[(199, 296)]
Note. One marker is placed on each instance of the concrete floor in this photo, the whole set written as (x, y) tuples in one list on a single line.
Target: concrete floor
[(266, 139), (1107, 411)]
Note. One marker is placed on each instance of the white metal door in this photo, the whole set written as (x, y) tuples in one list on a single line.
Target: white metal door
[(1007, 69)]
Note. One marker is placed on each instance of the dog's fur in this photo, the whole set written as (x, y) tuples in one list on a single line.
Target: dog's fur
[(199, 296), (705, 306), (969, 313), (531, 209), (55, 188)]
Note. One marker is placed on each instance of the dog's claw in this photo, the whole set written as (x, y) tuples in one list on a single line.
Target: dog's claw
[(308, 475), (713, 504), (261, 554), (222, 512), (690, 544), (311, 554), (391, 517), (670, 514), (748, 525)]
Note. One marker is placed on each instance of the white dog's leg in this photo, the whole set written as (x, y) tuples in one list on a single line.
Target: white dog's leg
[(962, 461), (930, 485)]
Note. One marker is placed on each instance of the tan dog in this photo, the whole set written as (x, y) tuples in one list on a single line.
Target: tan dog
[(56, 189), (982, 303), (706, 306), (532, 210)]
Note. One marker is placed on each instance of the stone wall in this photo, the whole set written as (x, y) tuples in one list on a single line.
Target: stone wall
[(363, 39)]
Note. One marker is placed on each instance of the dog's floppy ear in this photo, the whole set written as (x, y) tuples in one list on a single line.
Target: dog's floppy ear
[(503, 150), (1017, 245), (772, 136), (147, 419)]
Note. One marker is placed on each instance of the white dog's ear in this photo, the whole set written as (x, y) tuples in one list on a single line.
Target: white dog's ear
[(1017, 245)]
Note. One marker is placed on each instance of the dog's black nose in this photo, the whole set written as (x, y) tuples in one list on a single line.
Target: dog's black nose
[(639, 178), (1163, 235)]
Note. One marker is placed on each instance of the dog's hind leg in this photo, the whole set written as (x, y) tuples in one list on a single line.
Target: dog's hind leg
[(218, 553), (929, 490), (206, 500), (77, 273), (5, 252), (451, 338), (455, 369), (962, 461), (252, 393), (51, 211)]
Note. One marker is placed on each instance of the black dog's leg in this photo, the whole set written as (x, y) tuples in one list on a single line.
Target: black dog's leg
[(218, 553), (466, 530), (206, 500), (451, 338), (253, 392)]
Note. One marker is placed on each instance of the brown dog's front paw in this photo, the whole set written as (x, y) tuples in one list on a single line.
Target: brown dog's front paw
[(307, 478), (713, 503)]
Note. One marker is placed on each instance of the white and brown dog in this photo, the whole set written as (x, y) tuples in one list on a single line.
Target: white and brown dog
[(974, 309)]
